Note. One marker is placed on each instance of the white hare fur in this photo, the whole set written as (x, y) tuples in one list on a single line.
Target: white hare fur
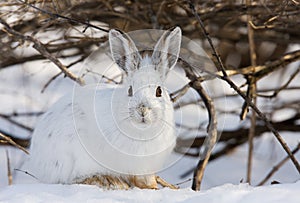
[(121, 132)]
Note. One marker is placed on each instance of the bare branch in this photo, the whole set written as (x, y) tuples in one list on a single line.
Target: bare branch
[(284, 86), (11, 142), (9, 175), (251, 94), (42, 49), (9, 119), (277, 166), (179, 93), (247, 99), (55, 15), (211, 138)]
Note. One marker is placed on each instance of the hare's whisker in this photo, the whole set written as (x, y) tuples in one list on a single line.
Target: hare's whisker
[(167, 123)]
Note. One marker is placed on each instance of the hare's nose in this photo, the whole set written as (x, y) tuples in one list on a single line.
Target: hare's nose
[(143, 110)]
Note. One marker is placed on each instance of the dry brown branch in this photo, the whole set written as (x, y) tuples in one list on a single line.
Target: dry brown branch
[(58, 74), (261, 70), (231, 139), (265, 119), (251, 94), (9, 175), (237, 135), (179, 93), (211, 138), (11, 142), (42, 49), (56, 15), (247, 99)]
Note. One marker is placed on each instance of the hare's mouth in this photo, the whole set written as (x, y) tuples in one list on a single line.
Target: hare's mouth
[(144, 120), (141, 123)]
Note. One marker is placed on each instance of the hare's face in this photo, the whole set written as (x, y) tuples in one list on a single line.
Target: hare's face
[(148, 99)]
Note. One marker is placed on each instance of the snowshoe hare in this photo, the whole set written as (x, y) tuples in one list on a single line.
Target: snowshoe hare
[(114, 137)]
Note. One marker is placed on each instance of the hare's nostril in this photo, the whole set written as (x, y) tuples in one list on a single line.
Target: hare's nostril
[(143, 110)]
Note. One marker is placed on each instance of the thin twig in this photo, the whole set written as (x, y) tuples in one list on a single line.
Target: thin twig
[(277, 166), (19, 114), (104, 76), (9, 175), (179, 93), (56, 15), (185, 181), (284, 86), (9, 119), (220, 65), (27, 173), (10, 141), (58, 74)]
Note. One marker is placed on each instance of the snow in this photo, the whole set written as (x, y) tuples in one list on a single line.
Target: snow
[(242, 193)]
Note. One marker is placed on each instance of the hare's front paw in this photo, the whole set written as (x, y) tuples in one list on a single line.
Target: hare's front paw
[(150, 182), (144, 182)]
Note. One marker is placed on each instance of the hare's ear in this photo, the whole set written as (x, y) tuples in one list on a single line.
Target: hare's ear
[(166, 51), (123, 51)]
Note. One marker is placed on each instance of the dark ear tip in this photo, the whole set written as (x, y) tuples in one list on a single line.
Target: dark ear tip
[(116, 29), (175, 28), (115, 32)]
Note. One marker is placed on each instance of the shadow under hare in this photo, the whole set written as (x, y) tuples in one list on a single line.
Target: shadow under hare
[(115, 137)]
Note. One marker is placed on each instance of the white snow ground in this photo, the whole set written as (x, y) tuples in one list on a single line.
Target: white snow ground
[(20, 91), (86, 193)]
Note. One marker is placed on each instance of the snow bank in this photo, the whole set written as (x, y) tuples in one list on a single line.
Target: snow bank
[(86, 193)]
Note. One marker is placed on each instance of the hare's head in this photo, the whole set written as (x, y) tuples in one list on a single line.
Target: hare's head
[(146, 71)]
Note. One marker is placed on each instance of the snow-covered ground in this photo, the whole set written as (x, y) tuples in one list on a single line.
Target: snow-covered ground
[(223, 181), (86, 193)]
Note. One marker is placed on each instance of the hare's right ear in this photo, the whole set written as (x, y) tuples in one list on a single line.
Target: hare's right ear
[(166, 51), (123, 51)]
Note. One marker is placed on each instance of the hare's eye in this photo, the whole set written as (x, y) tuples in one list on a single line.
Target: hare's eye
[(158, 91), (130, 91)]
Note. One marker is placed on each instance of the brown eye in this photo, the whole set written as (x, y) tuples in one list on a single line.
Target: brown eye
[(158, 91), (130, 91)]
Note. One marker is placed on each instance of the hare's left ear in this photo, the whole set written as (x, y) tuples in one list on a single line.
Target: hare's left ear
[(166, 51)]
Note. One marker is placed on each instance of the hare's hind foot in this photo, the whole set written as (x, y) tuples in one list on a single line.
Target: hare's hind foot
[(124, 183), (107, 182), (121, 182)]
